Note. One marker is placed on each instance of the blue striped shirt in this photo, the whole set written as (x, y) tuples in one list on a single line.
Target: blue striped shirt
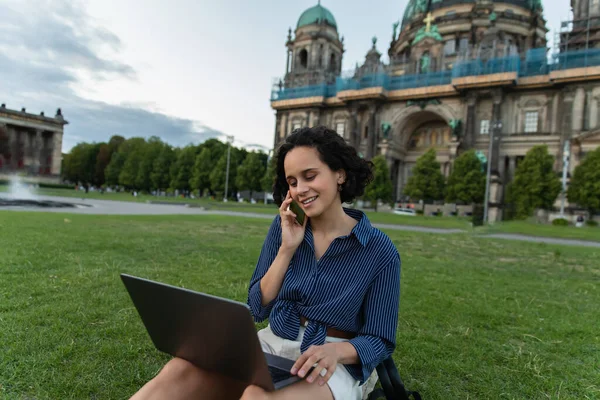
[(354, 287)]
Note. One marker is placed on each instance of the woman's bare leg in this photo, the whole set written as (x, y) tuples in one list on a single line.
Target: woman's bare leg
[(180, 379)]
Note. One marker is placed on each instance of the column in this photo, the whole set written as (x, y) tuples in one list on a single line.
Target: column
[(469, 139), (578, 110), (56, 153), (284, 126), (14, 147), (554, 116), (395, 178), (502, 169), (497, 133), (277, 128), (594, 112), (37, 152), (372, 139), (511, 168), (352, 122)]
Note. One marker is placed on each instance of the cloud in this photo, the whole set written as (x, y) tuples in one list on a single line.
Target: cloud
[(45, 47)]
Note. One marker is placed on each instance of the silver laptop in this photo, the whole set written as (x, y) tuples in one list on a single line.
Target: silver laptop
[(212, 333)]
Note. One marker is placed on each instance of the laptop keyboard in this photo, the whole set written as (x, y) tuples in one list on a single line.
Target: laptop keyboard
[(278, 374)]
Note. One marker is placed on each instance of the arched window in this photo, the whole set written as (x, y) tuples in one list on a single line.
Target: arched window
[(332, 62), (303, 57), (321, 56)]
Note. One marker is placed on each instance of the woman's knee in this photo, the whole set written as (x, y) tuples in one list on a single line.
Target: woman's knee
[(179, 369)]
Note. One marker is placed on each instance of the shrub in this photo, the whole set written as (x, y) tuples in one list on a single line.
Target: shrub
[(591, 222), (560, 222)]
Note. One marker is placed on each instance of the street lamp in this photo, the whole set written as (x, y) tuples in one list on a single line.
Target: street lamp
[(497, 125), (566, 154), (229, 141)]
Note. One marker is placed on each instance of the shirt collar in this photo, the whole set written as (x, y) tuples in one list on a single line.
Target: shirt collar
[(363, 230)]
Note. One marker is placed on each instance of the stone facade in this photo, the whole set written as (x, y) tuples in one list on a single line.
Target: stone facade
[(388, 110), (31, 145)]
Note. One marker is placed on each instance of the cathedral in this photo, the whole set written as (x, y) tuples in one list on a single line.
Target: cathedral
[(462, 74)]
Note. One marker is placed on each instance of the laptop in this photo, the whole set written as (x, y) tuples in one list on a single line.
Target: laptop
[(213, 333)]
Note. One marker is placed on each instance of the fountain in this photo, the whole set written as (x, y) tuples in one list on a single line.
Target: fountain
[(21, 195)]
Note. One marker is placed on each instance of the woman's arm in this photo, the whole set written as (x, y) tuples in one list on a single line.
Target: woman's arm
[(270, 284), (284, 237), (377, 338)]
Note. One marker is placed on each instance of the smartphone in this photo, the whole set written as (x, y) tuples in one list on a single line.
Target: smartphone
[(296, 209)]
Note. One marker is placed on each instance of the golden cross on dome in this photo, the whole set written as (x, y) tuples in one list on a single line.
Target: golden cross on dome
[(428, 21)]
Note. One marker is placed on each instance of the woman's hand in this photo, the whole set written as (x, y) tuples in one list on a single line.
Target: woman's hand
[(292, 233), (325, 357)]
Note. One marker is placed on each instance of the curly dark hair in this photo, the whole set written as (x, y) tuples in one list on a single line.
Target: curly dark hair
[(333, 151)]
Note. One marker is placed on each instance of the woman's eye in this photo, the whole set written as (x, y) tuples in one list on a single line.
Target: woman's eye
[(310, 178), (292, 184)]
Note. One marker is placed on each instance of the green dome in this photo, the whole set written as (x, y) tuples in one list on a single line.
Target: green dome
[(415, 7), (316, 15)]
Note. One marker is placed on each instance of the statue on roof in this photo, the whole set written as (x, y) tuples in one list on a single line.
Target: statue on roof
[(433, 33), (396, 24), (421, 6), (536, 5), (425, 63)]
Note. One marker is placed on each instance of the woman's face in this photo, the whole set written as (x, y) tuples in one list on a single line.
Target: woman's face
[(312, 183)]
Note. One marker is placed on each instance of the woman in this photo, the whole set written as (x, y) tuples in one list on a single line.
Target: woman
[(330, 287)]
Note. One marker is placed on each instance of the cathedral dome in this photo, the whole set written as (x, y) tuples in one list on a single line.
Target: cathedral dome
[(415, 7), (316, 15)]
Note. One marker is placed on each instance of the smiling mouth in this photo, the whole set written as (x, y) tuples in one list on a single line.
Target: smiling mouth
[(310, 200)]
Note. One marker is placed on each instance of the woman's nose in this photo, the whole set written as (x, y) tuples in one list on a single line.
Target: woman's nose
[(302, 187)]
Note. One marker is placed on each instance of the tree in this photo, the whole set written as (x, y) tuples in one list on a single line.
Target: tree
[(200, 179), (427, 181), (150, 152), (161, 166), (133, 160), (114, 143), (584, 188), (269, 178), (118, 159), (466, 183), (250, 173), (80, 166), (113, 169), (102, 160), (182, 171), (381, 188), (216, 148), (535, 185), (217, 175)]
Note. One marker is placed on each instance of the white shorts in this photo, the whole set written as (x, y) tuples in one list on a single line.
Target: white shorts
[(342, 384)]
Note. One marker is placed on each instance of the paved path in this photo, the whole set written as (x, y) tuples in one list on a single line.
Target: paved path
[(111, 207), (535, 239)]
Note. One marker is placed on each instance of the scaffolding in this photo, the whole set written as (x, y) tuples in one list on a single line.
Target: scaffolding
[(577, 34)]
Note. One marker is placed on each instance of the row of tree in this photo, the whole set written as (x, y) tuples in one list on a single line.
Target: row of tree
[(535, 184), (153, 165)]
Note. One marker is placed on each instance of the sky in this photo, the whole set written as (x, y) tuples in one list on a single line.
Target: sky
[(183, 70)]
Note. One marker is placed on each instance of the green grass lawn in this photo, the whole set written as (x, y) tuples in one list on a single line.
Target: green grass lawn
[(544, 230), (479, 318)]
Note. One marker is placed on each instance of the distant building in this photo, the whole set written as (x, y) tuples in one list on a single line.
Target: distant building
[(459, 71), (31, 144)]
